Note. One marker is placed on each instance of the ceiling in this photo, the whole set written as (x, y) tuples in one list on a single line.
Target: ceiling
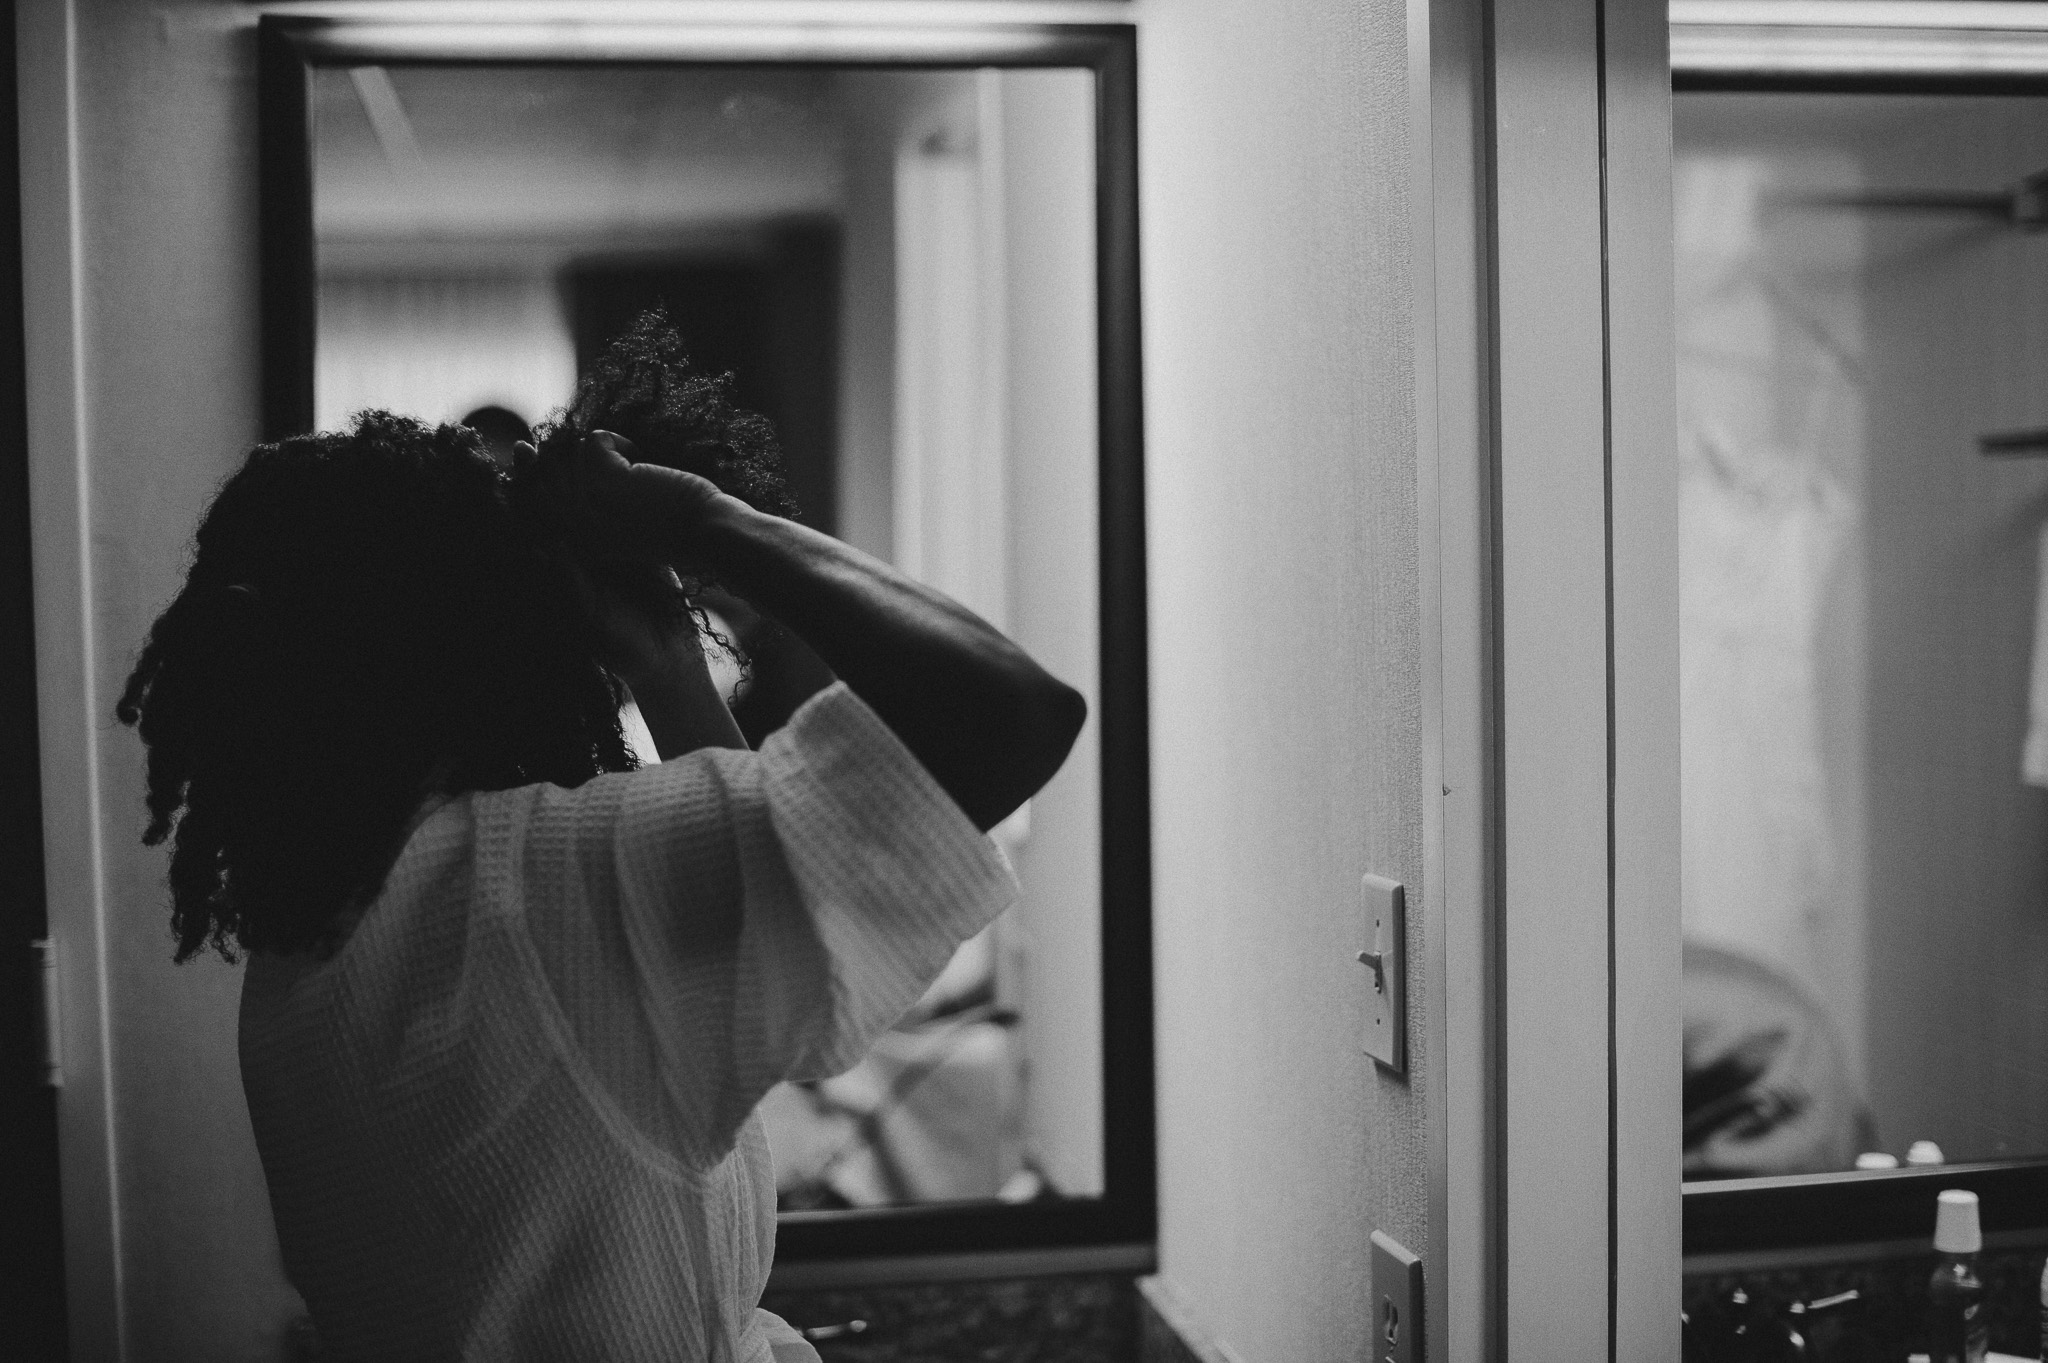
[(581, 157)]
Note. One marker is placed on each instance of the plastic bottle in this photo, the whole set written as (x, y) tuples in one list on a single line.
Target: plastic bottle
[(1957, 1331), (1923, 1153), (2044, 1310)]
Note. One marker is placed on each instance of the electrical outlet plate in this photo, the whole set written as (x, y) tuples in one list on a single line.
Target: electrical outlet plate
[(1386, 1006), (1396, 1302)]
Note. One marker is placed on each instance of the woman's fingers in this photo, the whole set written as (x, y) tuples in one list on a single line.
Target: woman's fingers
[(603, 455), (576, 480), (602, 473), (623, 497), (612, 443), (614, 506)]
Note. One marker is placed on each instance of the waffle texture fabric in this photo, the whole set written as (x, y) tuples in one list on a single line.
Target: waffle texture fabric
[(512, 1117)]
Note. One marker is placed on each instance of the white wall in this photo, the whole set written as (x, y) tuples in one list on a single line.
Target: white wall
[(885, 111), (1285, 664), (438, 347), (166, 240), (1772, 425), (1957, 995), (1023, 141), (1285, 655), (1047, 160), (867, 317)]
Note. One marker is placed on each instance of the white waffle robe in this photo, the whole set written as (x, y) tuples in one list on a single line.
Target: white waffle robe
[(512, 1117)]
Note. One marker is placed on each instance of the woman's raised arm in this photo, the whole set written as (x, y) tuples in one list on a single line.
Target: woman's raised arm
[(983, 718)]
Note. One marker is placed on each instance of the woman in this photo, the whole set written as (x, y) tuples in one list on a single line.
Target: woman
[(509, 1003)]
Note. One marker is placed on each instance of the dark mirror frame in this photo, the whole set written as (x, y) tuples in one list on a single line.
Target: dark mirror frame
[(1117, 1229), (1798, 1215)]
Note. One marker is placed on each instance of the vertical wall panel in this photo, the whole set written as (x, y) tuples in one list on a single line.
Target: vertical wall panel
[(1551, 444), (1644, 485), (1286, 655), (67, 694), (1454, 491)]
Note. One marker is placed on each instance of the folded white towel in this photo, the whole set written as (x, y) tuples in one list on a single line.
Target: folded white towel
[(2034, 758)]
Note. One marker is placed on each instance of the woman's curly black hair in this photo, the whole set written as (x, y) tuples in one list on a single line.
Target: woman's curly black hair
[(375, 615), (643, 387)]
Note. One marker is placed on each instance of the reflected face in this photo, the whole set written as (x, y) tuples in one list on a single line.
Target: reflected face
[(898, 269)]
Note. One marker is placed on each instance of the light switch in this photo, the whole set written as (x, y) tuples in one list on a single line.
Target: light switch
[(1396, 1303), (1386, 973)]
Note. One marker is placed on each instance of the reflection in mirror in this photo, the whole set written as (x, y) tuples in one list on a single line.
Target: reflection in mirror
[(1863, 394), (898, 268)]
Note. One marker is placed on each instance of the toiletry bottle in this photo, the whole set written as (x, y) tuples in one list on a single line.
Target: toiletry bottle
[(1957, 1331), (1923, 1153), (2044, 1310)]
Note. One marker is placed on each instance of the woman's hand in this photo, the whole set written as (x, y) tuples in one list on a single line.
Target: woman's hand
[(988, 723), (616, 514), (613, 507)]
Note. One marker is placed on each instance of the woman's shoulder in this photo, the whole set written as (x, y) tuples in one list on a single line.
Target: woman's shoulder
[(434, 851), (591, 808)]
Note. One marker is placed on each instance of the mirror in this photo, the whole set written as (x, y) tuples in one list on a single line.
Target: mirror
[(1863, 417), (1862, 342), (921, 275)]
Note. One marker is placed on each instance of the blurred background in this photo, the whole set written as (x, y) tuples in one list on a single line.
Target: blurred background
[(1862, 327), (898, 269)]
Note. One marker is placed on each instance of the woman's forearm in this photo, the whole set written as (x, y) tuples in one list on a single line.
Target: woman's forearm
[(987, 722), (680, 703)]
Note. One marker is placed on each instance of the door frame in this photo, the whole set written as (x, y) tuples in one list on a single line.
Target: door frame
[(32, 1264), (67, 664), (1548, 505)]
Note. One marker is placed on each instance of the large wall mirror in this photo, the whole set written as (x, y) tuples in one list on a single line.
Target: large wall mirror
[(1863, 469), (915, 252)]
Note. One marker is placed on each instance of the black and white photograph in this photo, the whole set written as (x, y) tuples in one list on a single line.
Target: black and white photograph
[(1024, 681)]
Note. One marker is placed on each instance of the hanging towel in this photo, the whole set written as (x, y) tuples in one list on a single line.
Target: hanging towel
[(2034, 760)]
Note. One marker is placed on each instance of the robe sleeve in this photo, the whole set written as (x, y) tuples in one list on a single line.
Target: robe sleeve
[(721, 922)]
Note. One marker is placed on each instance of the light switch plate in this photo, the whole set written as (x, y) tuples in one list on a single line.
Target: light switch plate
[(1386, 985), (1396, 1302)]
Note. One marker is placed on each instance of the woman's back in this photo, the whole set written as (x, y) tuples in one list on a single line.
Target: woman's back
[(512, 1116)]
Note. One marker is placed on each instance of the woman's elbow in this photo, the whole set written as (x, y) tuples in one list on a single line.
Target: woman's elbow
[(1069, 712), (1058, 712), (1025, 742)]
